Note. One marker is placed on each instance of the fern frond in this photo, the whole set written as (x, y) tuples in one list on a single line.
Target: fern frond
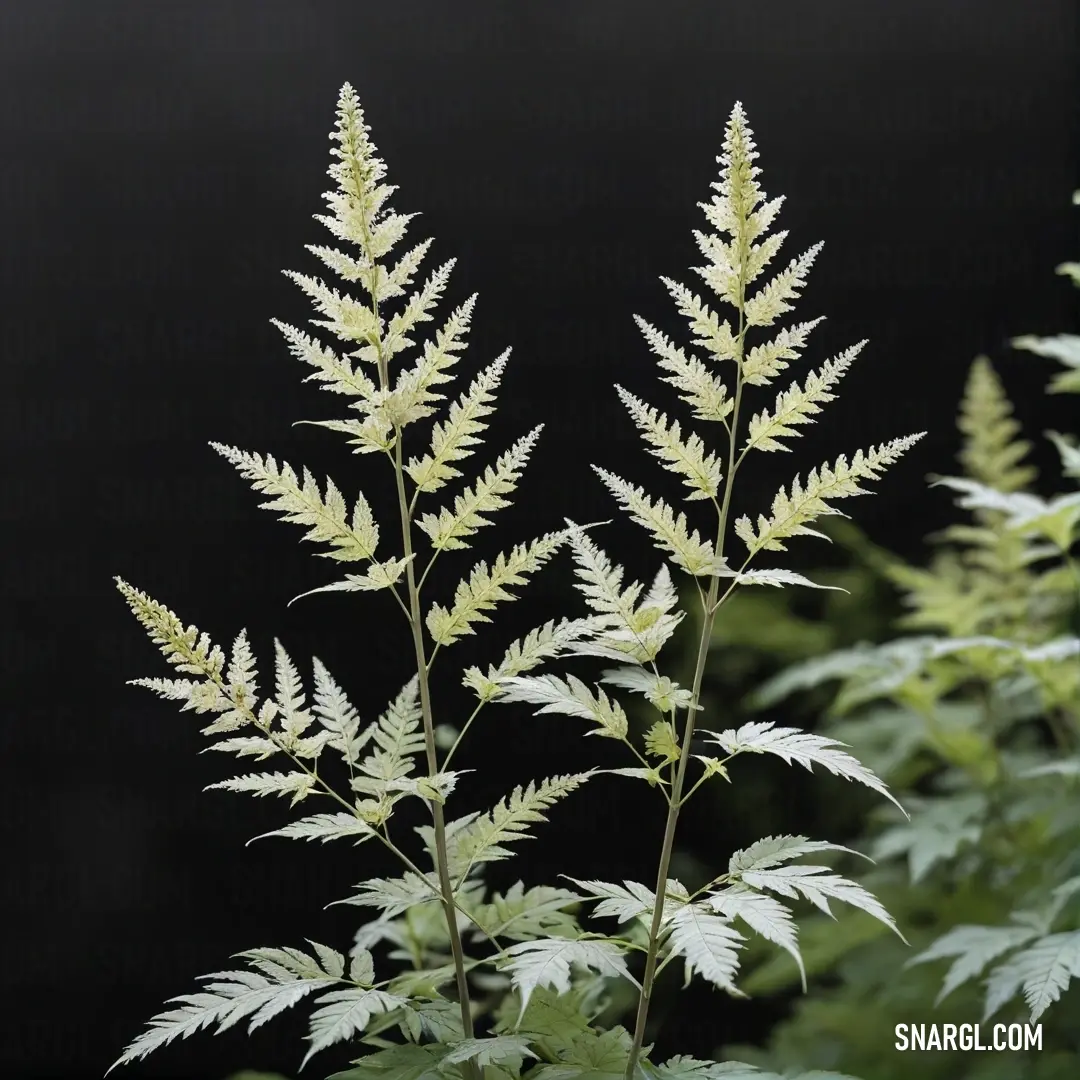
[(773, 299), (346, 317), (764, 915), (184, 647), (418, 309), (570, 697), (413, 397), (632, 900), (818, 886), (546, 964), (1043, 970), (992, 452), (336, 713), (792, 513), (775, 850), (379, 575), (703, 392), (765, 361), (453, 439), (335, 372), (323, 827), (544, 642), (795, 745), (304, 505), (526, 914), (798, 405), (397, 740), (448, 529), (670, 531), (345, 1014), (481, 838), (711, 333), (688, 457), (709, 946), (238, 995), (297, 784), (485, 587)]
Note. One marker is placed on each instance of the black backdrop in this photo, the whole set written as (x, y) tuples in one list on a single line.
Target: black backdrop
[(160, 163)]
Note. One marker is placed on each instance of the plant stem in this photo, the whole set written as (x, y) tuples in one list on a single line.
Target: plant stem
[(710, 607), (442, 865)]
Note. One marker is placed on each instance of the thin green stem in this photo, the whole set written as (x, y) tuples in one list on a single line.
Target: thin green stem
[(710, 606), (446, 886)]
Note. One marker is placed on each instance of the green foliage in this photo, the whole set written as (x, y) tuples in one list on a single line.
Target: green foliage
[(451, 979), (974, 720)]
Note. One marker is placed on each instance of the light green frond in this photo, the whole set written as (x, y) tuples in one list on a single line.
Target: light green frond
[(798, 405), (570, 697), (545, 642), (688, 457), (448, 529), (375, 433), (711, 333), (351, 540), (671, 532), (709, 946), (992, 452), (335, 372), (418, 309), (703, 392), (398, 738), (484, 587), (346, 317), (297, 784), (773, 299), (601, 580), (765, 361), (413, 397), (481, 837), (792, 513), (453, 439), (379, 575), (184, 647)]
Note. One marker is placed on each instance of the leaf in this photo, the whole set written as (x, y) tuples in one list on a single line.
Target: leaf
[(484, 587), (380, 575), (523, 914), (405, 1062), (703, 392), (297, 784), (571, 697), (234, 996), (398, 739), (632, 900), (772, 300), (798, 405), (818, 886), (792, 513), (489, 1051), (453, 439), (688, 457), (351, 540), (544, 642), (393, 895), (184, 647), (936, 832), (766, 916), (973, 947), (323, 827), (795, 745), (345, 1013), (709, 946), (779, 578), (336, 373), (765, 361), (336, 713), (775, 850), (546, 964), (1043, 969), (448, 529), (480, 838), (670, 532)]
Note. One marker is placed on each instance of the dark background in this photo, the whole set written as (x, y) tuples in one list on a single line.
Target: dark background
[(159, 166)]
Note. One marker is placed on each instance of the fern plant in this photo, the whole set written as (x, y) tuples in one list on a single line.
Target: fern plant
[(977, 719), (496, 983)]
